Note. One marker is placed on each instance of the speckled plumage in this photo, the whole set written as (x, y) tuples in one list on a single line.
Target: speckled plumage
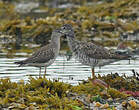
[(46, 55), (88, 53), (91, 54)]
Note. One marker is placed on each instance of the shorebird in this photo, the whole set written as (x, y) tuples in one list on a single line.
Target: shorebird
[(46, 55), (89, 53)]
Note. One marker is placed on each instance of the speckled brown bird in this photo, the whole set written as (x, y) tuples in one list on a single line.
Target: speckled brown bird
[(46, 55), (89, 53)]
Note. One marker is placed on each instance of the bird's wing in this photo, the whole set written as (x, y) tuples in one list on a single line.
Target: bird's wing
[(43, 55), (98, 52)]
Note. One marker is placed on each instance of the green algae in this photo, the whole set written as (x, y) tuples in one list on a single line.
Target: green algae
[(119, 82), (109, 20), (39, 91), (106, 18), (88, 16), (46, 94), (93, 90)]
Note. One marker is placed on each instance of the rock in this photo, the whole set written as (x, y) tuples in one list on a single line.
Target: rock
[(97, 104), (17, 105), (137, 106), (25, 7), (100, 82), (119, 107), (104, 106), (132, 104)]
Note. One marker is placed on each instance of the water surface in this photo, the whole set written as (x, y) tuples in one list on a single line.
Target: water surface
[(67, 71)]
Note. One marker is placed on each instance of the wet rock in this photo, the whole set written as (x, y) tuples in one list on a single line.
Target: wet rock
[(97, 104), (16, 106), (130, 105), (104, 106), (25, 7), (100, 82)]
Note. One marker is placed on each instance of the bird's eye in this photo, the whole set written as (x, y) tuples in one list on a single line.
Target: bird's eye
[(64, 28)]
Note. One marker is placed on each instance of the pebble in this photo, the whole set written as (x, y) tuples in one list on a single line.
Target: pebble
[(132, 103), (104, 106), (97, 104)]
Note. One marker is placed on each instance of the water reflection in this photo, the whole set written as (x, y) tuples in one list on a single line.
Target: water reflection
[(67, 71)]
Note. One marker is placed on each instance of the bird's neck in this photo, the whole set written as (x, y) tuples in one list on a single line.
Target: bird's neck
[(70, 40), (55, 40), (72, 43)]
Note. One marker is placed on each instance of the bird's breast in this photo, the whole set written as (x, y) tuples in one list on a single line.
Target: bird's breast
[(84, 59)]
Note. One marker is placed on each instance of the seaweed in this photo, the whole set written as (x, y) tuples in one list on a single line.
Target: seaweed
[(51, 94)]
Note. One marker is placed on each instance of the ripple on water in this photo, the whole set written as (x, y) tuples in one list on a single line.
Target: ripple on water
[(67, 71)]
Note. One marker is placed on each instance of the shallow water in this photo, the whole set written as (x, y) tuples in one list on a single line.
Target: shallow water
[(67, 71)]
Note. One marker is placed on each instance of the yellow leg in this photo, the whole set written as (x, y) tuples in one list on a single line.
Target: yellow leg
[(45, 72), (93, 73)]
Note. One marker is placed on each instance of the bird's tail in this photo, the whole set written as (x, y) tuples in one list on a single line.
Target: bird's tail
[(124, 57), (21, 63), (124, 54)]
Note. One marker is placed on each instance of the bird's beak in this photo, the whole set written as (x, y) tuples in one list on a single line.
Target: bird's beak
[(59, 30), (63, 34)]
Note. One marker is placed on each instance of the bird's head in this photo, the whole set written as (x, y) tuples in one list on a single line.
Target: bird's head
[(67, 30), (57, 32)]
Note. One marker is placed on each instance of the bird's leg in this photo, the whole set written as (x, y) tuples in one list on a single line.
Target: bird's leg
[(129, 61), (40, 72), (45, 71), (93, 73)]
